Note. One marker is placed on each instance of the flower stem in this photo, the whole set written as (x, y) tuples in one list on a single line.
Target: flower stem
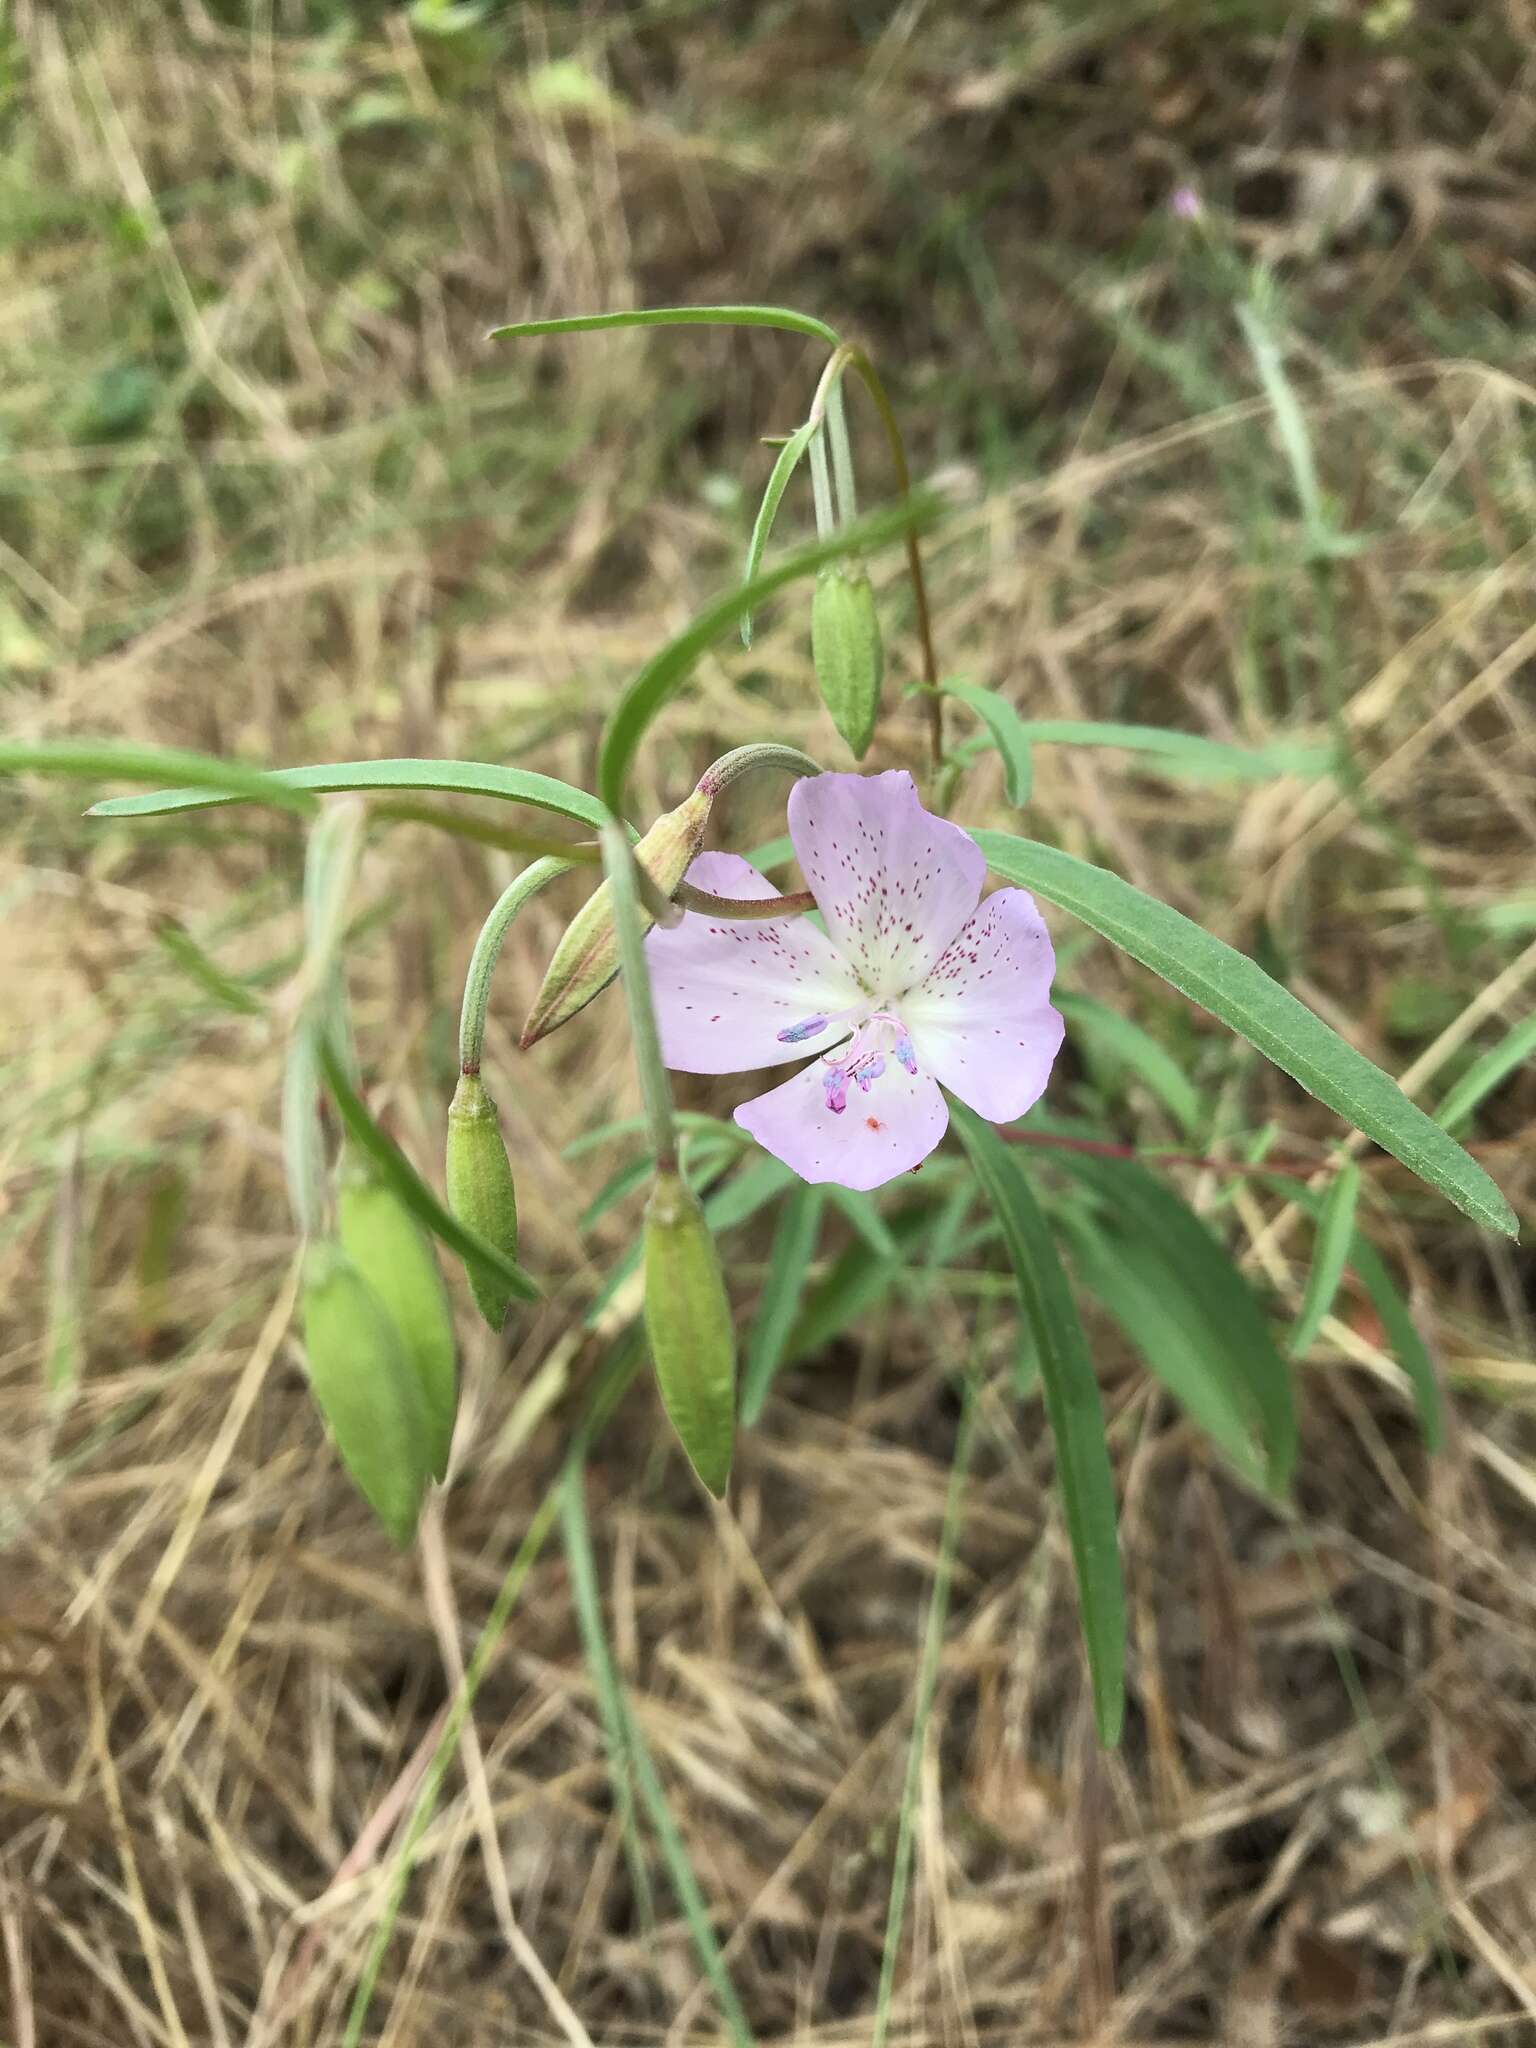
[(842, 453), (655, 1091), (882, 404), (482, 964), (743, 909), (742, 760), (821, 489)]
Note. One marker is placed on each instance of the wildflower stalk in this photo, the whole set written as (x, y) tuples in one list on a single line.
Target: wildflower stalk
[(742, 760), (655, 1092), (482, 965)]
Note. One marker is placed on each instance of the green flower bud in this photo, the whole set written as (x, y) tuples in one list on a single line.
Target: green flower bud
[(688, 1322), (395, 1257), (587, 957), (480, 1190), (848, 652), (366, 1388)]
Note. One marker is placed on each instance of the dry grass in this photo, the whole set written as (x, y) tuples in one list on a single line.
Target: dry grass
[(266, 491)]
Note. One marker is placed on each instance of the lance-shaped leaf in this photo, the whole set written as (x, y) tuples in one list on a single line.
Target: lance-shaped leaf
[(1238, 991), (295, 787)]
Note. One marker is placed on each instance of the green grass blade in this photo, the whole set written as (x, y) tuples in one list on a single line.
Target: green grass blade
[(665, 673), (1398, 1326), (1127, 1045), (293, 787), (1074, 1408), (1161, 1319), (789, 1260), (1330, 1256), (865, 1218), (1007, 732), (106, 760), (778, 482), (200, 966), (1191, 1262), (629, 1756), (922, 1713), (412, 1190), (1181, 753), (1239, 992), (607, 1684), (618, 1369), (674, 316), (1403, 1339), (1485, 1074)]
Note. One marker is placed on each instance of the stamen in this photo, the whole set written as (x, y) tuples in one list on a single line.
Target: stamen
[(835, 1082), (793, 1034), (905, 1053), (869, 1070)]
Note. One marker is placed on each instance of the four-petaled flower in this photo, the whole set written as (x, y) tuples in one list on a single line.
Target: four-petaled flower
[(914, 982)]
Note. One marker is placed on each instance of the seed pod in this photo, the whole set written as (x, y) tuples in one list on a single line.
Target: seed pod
[(395, 1257), (587, 957), (848, 653), (688, 1322), (365, 1387), (480, 1190)]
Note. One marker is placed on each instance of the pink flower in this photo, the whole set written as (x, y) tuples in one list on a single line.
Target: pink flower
[(914, 982)]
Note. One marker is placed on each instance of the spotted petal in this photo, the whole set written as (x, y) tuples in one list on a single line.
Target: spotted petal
[(724, 990), (878, 1135), (982, 1021), (893, 882)]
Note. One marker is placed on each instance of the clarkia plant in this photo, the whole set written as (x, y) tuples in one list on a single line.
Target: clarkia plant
[(910, 1001)]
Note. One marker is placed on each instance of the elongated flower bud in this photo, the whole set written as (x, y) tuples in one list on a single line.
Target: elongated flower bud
[(480, 1190), (365, 1387), (587, 957), (688, 1322), (848, 652), (395, 1257)]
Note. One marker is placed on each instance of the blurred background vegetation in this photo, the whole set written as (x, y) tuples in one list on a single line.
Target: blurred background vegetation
[(266, 490)]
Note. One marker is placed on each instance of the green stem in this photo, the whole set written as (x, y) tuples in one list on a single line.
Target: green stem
[(882, 404), (482, 964), (655, 1092), (742, 760)]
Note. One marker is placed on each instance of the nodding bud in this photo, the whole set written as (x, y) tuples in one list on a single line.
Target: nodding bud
[(480, 1190), (365, 1387), (848, 652), (395, 1257), (587, 957), (688, 1322)]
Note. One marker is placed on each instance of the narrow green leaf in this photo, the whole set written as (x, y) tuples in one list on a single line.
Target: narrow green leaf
[(1008, 733), (1239, 992), (633, 1175), (674, 316), (107, 760), (411, 1188), (629, 1755), (1402, 1335), (1330, 1256), (202, 968), (778, 482), (293, 787), (1160, 1316), (665, 673), (1403, 1339), (1485, 1074), (922, 1714), (857, 1279), (866, 1219), (789, 1260), (1237, 1344), (1127, 1045), (1075, 1411), (1182, 753)]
